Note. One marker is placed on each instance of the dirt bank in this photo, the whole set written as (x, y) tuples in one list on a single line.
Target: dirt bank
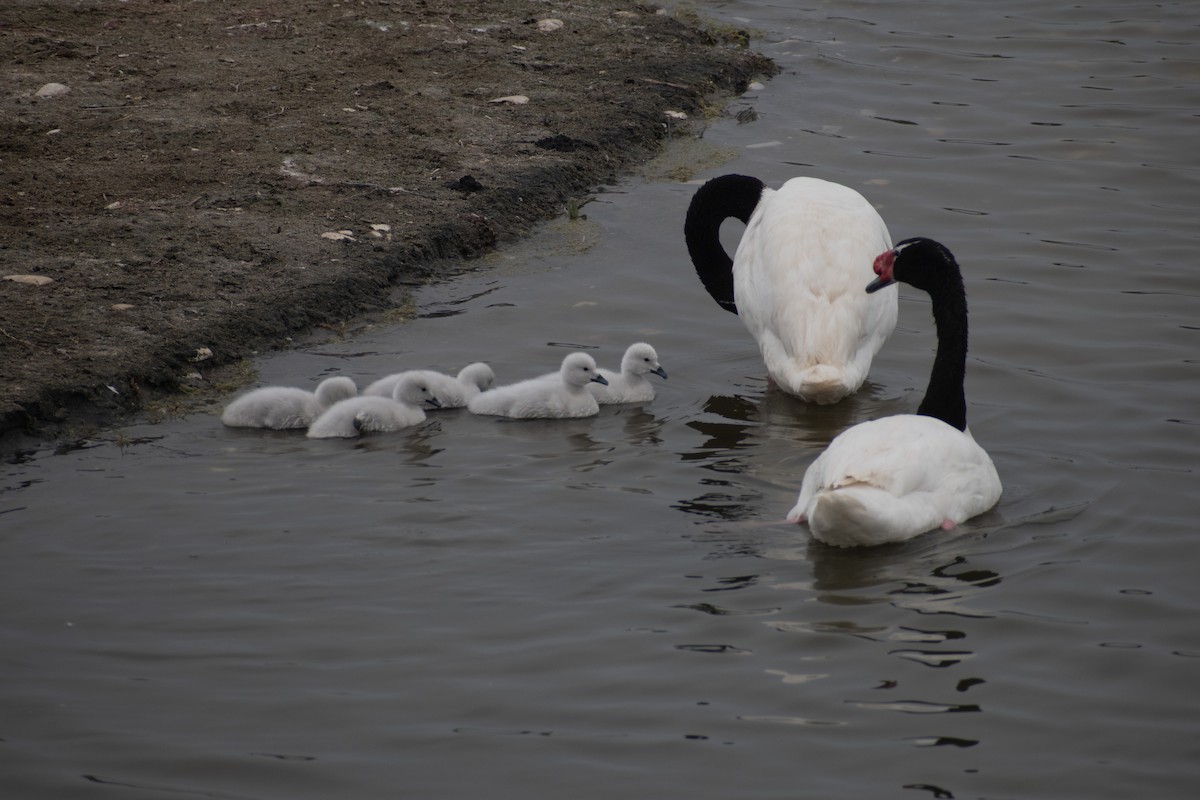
[(219, 175)]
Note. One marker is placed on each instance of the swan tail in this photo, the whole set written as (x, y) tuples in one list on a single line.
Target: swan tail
[(841, 518), (822, 384), (863, 515)]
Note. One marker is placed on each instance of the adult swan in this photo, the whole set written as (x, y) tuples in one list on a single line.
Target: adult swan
[(796, 279), (893, 478)]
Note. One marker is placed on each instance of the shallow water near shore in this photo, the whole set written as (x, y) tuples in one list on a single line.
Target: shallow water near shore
[(613, 605)]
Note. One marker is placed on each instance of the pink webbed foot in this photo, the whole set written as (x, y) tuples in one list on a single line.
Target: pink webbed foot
[(949, 524)]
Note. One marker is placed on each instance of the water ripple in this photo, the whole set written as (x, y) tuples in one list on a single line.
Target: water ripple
[(918, 707)]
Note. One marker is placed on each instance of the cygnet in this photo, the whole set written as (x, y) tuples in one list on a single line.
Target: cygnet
[(373, 414), (451, 391), (630, 385), (286, 407), (537, 398)]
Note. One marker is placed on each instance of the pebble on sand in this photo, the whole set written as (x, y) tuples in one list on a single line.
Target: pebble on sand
[(53, 90), (32, 280)]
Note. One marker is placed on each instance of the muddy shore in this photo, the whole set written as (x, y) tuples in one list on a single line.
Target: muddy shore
[(209, 179)]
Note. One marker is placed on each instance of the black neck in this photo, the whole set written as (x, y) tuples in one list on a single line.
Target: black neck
[(944, 397), (720, 198)]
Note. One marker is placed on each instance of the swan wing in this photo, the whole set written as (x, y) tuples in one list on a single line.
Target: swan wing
[(546, 397), (894, 478), (516, 399)]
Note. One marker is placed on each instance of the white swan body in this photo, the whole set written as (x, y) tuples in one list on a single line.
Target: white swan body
[(797, 278), (630, 385), (451, 391), (286, 407), (539, 398), (894, 478), (356, 416)]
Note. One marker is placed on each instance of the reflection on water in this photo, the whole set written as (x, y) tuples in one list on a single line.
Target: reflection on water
[(737, 429), (721, 501)]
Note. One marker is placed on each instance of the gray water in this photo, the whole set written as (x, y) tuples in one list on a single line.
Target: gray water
[(612, 607)]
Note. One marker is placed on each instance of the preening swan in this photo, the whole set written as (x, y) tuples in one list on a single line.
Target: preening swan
[(286, 407), (450, 391), (373, 414), (797, 276), (893, 478), (630, 385), (539, 398)]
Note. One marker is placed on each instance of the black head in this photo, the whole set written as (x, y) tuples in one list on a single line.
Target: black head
[(927, 265), (921, 263)]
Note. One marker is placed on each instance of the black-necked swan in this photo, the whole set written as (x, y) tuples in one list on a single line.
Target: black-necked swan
[(630, 385), (797, 276), (286, 407), (538, 398), (373, 414), (890, 479), (452, 391)]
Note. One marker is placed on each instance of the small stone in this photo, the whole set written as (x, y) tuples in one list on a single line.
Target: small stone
[(467, 183), (32, 280), (53, 90), (549, 25), (512, 99), (123, 306), (339, 236), (202, 354), (676, 114)]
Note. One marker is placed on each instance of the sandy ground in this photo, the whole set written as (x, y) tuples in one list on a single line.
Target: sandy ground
[(216, 176)]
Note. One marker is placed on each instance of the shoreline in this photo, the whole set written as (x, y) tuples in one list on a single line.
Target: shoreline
[(216, 181)]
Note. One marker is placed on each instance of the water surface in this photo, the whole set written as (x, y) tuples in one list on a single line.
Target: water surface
[(612, 606)]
